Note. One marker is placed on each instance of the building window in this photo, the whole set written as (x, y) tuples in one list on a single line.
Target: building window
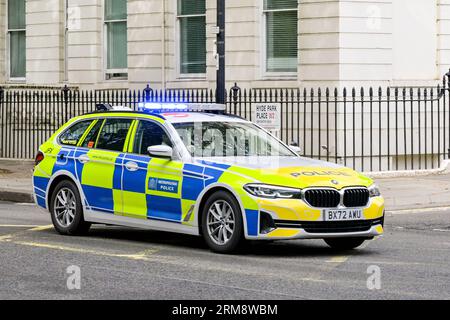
[(16, 39), (192, 25), (281, 35), (116, 39)]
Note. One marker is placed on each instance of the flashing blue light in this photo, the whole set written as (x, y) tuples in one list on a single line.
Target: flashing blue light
[(159, 107)]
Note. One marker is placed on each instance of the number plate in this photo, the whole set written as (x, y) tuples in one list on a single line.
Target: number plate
[(343, 214)]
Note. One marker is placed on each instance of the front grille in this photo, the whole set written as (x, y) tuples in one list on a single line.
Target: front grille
[(329, 226), (356, 197), (322, 198)]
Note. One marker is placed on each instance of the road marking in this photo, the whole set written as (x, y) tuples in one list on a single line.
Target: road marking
[(138, 256), (441, 230), (18, 226), (342, 259), (420, 210), (41, 228), (6, 237), (34, 228), (338, 259)]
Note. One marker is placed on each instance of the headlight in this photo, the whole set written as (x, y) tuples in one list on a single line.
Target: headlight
[(374, 191), (272, 192)]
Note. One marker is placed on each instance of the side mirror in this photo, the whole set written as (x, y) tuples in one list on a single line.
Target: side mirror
[(160, 151)]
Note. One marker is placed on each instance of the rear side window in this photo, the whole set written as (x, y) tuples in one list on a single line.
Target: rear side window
[(72, 136), (113, 134), (91, 137)]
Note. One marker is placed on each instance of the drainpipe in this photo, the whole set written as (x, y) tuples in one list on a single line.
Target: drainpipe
[(220, 80), (163, 46)]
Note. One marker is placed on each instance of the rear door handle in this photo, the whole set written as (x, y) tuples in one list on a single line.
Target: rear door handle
[(131, 166), (83, 158)]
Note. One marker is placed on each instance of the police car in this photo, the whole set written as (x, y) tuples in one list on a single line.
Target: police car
[(195, 170)]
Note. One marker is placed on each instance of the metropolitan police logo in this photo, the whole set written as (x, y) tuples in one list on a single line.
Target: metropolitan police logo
[(152, 184)]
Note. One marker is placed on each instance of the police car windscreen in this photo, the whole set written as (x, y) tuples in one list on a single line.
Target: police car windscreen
[(229, 139)]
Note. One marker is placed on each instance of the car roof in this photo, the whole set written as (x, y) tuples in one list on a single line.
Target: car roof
[(185, 117), (172, 117)]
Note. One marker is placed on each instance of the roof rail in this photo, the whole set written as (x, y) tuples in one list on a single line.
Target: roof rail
[(109, 107)]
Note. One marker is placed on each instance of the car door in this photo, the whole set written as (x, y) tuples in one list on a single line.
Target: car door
[(151, 185), (101, 176)]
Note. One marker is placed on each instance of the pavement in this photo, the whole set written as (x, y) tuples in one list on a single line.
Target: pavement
[(400, 192), (411, 261), (15, 180)]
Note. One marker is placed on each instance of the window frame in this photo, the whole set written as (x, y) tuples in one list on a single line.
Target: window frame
[(91, 127), (271, 75), (8, 46), (134, 132), (127, 138), (178, 18), (108, 74), (83, 135)]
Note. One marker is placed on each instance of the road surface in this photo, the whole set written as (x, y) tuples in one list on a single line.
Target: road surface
[(413, 260)]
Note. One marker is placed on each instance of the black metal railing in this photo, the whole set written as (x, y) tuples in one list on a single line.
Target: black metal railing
[(367, 129)]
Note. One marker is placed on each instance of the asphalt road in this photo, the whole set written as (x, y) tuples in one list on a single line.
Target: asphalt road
[(122, 263)]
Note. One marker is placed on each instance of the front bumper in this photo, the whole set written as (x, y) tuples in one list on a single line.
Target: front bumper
[(295, 219), (285, 234)]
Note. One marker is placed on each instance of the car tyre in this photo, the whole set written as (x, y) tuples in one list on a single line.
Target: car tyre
[(344, 243), (66, 210), (222, 224)]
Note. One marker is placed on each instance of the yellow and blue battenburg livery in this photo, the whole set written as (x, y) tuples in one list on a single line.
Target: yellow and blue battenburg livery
[(195, 170)]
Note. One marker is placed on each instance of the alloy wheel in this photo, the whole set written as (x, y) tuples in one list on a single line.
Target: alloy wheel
[(220, 222), (65, 207)]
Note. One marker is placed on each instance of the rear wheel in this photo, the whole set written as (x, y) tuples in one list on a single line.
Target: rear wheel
[(222, 224), (344, 243), (66, 210)]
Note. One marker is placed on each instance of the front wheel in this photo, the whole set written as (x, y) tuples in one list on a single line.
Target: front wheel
[(66, 210), (344, 243), (222, 224)]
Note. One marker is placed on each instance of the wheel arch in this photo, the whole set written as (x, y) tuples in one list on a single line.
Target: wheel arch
[(57, 178), (211, 189)]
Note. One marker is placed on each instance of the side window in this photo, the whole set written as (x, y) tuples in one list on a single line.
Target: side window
[(72, 136), (149, 134), (91, 137), (113, 134)]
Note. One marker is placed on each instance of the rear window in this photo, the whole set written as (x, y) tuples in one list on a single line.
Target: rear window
[(72, 136)]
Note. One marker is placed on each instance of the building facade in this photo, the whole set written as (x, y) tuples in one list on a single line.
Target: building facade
[(269, 43)]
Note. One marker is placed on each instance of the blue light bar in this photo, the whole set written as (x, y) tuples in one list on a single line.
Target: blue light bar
[(159, 107)]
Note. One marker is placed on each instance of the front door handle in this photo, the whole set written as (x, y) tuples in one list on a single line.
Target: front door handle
[(84, 158), (131, 166)]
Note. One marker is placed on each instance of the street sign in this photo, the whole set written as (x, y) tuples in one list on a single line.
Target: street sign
[(268, 115)]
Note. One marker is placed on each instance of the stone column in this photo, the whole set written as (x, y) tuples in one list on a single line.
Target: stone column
[(45, 41), (85, 42)]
